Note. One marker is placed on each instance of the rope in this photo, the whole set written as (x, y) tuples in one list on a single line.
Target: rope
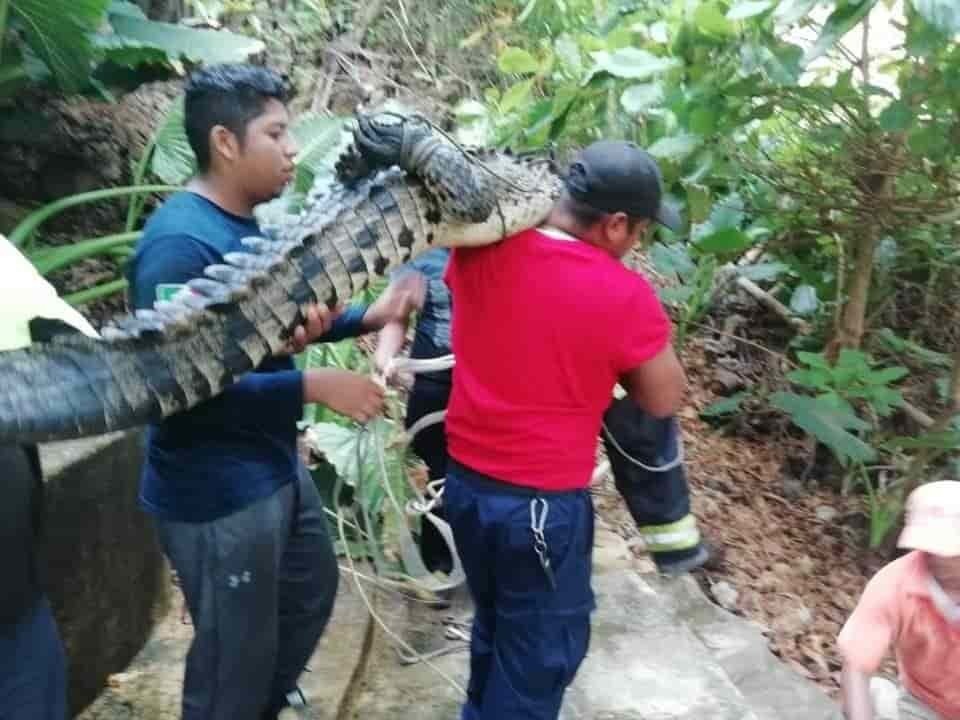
[(411, 653), (676, 462)]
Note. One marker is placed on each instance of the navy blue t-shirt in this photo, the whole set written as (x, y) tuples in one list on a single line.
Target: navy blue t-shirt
[(240, 446)]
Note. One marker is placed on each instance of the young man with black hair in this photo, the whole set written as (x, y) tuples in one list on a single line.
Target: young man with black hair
[(237, 513), (522, 424), (33, 672)]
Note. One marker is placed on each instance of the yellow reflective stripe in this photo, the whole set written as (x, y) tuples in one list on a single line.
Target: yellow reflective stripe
[(680, 535)]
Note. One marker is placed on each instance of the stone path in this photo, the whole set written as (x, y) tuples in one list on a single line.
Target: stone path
[(659, 651)]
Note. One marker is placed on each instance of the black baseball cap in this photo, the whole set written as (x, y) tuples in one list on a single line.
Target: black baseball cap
[(618, 176)]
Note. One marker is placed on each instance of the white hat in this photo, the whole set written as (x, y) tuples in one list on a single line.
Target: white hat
[(933, 519)]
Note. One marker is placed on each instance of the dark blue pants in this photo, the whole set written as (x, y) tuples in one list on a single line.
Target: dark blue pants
[(528, 638), (33, 668), (658, 501), (260, 585)]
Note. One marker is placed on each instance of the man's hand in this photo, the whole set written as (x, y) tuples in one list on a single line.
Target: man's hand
[(317, 322), (348, 393), (395, 304)]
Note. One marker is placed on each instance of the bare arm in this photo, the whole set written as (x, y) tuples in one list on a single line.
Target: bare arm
[(658, 385), (855, 686), (389, 341)]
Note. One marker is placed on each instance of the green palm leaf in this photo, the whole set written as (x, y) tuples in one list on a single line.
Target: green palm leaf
[(59, 32)]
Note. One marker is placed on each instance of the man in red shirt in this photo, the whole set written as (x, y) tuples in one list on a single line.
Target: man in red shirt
[(549, 321)]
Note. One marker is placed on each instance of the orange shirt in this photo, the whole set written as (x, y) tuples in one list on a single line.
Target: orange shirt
[(896, 609)]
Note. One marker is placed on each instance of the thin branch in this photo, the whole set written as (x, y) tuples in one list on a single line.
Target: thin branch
[(865, 51), (406, 39), (765, 298)]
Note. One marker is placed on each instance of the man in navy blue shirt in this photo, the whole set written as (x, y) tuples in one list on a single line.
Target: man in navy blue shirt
[(237, 513)]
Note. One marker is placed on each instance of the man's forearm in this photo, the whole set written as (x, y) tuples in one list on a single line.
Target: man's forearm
[(857, 703), (390, 340)]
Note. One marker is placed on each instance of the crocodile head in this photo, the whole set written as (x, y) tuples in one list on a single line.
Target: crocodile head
[(479, 192)]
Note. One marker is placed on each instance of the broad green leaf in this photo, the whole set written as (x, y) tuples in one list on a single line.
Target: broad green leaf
[(840, 22), (816, 360), (790, 11), (888, 375), (59, 32), (516, 61), (710, 18), (129, 53), (724, 242), (748, 9), (637, 98), (200, 46), (943, 14), (815, 379), (173, 159), (884, 400), (895, 117), (828, 424), (854, 359), (724, 406), (343, 447), (703, 121), (675, 147), (804, 300), (516, 96), (727, 212), (632, 63), (698, 202), (764, 271), (568, 51), (672, 260), (928, 140), (782, 63)]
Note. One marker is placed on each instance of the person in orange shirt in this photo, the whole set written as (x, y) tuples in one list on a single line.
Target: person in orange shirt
[(913, 605)]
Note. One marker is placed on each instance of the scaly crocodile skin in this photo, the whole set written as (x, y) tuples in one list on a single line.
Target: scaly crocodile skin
[(400, 191)]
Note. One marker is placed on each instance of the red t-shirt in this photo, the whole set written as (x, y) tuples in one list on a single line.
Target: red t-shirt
[(542, 328)]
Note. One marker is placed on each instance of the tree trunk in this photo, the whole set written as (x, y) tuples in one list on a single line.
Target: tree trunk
[(880, 187), (849, 331)]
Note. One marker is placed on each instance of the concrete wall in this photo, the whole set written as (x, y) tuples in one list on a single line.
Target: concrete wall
[(104, 571)]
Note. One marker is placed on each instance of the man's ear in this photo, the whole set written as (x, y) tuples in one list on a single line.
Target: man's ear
[(224, 143), (618, 225)]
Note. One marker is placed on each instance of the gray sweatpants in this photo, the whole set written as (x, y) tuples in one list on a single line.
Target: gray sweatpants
[(260, 586)]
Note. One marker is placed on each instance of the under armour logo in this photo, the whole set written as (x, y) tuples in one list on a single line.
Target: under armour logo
[(235, 580)]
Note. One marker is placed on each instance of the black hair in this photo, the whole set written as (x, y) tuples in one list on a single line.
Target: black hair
[(230, 95), (586, 216)]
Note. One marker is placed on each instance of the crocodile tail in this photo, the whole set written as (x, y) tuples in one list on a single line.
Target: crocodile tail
[(157, 362), (148, 366)]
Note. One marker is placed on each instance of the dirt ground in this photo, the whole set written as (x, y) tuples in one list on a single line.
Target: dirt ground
[(794, 555)]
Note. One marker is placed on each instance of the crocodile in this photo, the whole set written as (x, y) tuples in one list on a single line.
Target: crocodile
[(400, 188)]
